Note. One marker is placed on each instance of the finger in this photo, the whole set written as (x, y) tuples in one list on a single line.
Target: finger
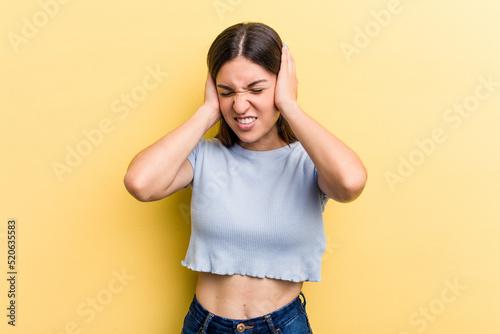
[(292, 60), (209, 81), (284, 56), (289, 58)]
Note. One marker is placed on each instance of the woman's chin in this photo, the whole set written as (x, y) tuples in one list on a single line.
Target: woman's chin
[(245, 136), (246, 140)]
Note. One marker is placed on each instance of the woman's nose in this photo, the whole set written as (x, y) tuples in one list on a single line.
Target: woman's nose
[(240, 103)]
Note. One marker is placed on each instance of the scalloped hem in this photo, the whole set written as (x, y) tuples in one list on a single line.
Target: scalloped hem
[(227, 273)]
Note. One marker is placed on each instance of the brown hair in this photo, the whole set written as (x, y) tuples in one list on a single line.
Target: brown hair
[(258, 43)]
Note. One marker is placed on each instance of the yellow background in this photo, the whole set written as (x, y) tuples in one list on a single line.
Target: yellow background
[(392, 254)]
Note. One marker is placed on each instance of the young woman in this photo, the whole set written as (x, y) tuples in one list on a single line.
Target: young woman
[(259, 187)]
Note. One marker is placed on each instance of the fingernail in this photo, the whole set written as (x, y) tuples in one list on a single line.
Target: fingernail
[(286, 45)]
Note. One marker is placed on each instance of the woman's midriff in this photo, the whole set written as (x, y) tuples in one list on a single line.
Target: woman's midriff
[(244, 297)]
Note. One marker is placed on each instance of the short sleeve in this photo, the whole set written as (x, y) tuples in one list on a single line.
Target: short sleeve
[(194, 155), (323, 198)]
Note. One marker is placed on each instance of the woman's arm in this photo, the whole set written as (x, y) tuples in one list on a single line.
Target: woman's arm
[(342, 175), (162, 168)]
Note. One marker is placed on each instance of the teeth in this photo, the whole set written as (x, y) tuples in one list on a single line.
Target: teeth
[(246, 120)]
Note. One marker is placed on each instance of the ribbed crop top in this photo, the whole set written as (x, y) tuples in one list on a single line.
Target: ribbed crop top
[(256, 213)]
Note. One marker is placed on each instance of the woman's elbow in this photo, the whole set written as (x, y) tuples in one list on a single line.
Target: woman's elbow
[(353, 186), (136, 187)]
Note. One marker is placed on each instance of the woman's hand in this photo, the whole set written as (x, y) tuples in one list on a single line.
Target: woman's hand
[(286, 84), (211, 103)]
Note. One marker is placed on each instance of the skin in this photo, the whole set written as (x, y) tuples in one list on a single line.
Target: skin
[(257, 101), (162, 168)]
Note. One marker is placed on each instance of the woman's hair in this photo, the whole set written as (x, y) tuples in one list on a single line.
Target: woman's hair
[(258, 43)]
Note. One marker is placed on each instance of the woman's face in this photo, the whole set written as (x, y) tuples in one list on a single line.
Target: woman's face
[(246, 100)]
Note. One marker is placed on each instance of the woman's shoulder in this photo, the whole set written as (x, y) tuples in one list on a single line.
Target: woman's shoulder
[(210, 143), (209, 146)]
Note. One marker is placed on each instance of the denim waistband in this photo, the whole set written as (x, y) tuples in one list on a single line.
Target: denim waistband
[(277, 319)]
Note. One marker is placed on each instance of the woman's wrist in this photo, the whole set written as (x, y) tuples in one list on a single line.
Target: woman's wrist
[(208, 116), (289, 109)]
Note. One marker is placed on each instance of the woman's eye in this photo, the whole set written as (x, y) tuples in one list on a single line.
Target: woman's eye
[(253, 91)]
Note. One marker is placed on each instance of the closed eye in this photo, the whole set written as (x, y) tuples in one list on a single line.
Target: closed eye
[(231, 93)]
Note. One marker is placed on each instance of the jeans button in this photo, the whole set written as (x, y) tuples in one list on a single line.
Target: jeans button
[(240, 328)]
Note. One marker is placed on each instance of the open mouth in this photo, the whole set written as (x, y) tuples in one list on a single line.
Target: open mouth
[(246, 120)]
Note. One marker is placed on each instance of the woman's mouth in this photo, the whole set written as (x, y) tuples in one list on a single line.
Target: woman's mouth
[(245, 123)]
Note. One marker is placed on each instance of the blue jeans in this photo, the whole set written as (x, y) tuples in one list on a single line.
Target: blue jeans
[(290, 319)]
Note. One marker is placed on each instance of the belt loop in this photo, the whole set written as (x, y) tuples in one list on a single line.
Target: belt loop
[(207, 321), (304, 298), (270, 324)]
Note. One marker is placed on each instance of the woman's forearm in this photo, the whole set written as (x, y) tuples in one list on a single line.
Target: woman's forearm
[(342, 175), (153, 170)]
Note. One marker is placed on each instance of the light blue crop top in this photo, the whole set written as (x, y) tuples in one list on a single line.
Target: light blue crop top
[(256, 213)]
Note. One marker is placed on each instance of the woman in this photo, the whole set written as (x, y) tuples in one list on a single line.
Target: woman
[(259, 187)]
